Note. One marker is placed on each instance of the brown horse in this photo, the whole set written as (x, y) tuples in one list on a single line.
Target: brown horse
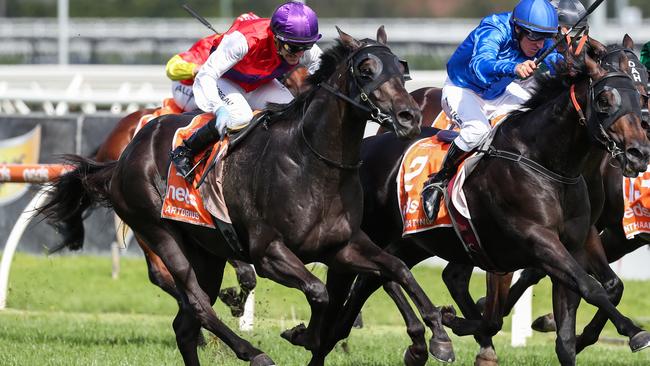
[(110, 150), (541, 222), (307, 209)]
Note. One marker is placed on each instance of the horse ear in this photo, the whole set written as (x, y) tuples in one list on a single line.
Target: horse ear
[(348, 40), (597, 50), (624, 63), (628, 42), (594, 69), (381, 35)]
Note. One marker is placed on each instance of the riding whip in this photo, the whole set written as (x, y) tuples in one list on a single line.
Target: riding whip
[(564, 34), (198, 17)]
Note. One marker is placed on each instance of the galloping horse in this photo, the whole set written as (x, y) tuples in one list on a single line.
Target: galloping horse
[(293, 193), (529, 218), (607, 196), (72, 227)]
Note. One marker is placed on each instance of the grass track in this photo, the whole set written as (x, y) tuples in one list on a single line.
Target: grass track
[(68, 311)]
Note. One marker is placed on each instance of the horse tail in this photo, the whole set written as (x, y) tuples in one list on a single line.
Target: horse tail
[(73, 193)]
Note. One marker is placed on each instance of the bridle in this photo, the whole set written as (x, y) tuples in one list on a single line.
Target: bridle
[(362, 100)]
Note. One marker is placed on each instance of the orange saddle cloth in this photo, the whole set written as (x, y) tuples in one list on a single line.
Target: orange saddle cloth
[(421, 159), (636, 197), (183, 201)]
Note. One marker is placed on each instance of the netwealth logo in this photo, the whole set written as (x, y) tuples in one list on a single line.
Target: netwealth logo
[(181, 194)]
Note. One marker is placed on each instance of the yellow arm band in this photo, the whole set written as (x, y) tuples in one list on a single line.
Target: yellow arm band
[(179, 69)]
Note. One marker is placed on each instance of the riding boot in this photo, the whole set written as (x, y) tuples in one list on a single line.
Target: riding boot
[(183, 155), (434, 187)]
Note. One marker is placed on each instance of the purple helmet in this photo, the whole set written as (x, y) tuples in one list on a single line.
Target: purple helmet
[(295, 22)]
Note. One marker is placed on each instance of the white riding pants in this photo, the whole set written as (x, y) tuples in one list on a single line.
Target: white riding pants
[(240, 104), (473, 113), (183, 96)]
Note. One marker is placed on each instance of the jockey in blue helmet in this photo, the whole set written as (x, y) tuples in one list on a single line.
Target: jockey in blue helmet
[(480, 79), (241, 74)]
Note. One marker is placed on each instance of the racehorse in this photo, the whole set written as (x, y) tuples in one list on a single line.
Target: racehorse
[(72, 228), (293, 194), (528, 219), (613, 244)]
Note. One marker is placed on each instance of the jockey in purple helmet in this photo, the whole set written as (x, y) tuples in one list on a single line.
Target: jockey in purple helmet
[(241, 74), (482, 84)]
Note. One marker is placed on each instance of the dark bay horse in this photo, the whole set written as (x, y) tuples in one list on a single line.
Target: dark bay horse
[(527, 219), (72, 228), (293, 193), (606, 194)]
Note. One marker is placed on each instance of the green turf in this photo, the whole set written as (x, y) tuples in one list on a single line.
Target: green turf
[(68, 311)]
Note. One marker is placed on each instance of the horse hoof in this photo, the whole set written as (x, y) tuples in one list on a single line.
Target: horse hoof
[(297, 335), (486, 357), (412, 358), (640, 341), (544, 324), (262, 360), (442, 351)]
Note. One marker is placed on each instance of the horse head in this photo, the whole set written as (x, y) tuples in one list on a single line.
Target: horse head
[(614, 112), (376, 82)]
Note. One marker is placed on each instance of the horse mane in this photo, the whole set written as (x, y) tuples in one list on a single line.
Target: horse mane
[(550, 86), (330, 60)]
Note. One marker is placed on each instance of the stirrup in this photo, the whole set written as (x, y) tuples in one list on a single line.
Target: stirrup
[(430, 200)]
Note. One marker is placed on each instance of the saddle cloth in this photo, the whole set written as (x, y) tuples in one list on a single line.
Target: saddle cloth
[(168, 107), (183, 202), (636, 197), (420, 160)]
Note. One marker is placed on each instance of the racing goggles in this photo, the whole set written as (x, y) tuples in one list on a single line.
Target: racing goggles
[(535, 36), (293, 48)]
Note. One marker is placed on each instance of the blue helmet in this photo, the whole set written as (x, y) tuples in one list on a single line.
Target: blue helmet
[(537, 16)]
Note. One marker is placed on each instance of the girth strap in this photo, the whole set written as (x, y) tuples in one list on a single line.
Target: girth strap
[(492, 152)]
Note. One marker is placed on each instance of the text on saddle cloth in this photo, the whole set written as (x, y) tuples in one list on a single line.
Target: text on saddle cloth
[(636, 197), (183, 202), (168, 107)]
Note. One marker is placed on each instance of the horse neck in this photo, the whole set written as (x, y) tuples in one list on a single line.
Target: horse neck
[(334, 128), (552, 135)]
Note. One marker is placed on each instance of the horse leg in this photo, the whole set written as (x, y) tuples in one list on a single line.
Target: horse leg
[(247, 279), (362, 255), (529, 277), (281, 265), (560, 265), (599, 267), (565, 306), (199, 303), (498, 287), (338, 288)]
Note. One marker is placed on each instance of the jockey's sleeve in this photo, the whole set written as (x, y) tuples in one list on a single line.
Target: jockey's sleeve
[(311, 59), (231, 50), (484, 62), (179, 69)]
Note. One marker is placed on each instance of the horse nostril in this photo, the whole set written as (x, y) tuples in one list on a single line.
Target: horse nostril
[(405, 116), (637, 154)]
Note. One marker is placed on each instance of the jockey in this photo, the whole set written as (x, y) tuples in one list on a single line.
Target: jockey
[(480, 81), (240, 75), (183, 67)]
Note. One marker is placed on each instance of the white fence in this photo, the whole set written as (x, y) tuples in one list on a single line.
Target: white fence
[(57, 90)]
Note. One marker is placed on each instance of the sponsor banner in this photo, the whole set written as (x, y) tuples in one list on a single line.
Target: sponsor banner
[(18, 150), (636, 195)]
